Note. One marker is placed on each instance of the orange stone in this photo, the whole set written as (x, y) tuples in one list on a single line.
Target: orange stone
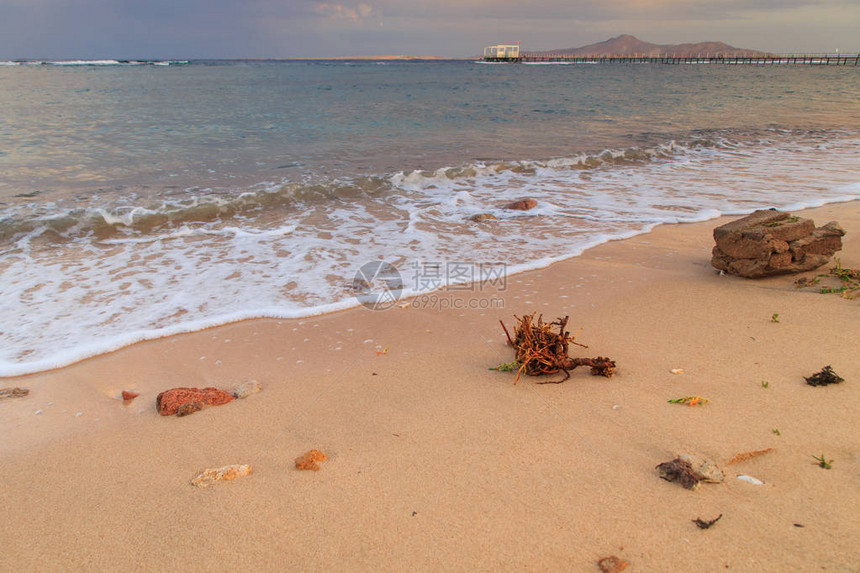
[(127, 395), (309, 460), (170, 401), (522, 205)]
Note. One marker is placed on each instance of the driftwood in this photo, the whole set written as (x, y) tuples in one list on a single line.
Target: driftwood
[(539, 350)]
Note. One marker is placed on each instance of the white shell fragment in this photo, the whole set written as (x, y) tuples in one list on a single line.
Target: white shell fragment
[(246, 389), (750, 479), (677, 370), (211, 476)]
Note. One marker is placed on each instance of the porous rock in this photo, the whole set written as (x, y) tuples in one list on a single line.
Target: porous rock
[(171, 401), (770, 242), (310, 460)]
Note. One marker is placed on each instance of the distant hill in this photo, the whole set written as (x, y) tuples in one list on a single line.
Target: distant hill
[(628, 45)]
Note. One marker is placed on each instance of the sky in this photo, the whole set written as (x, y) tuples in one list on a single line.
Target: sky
[(190, 29)]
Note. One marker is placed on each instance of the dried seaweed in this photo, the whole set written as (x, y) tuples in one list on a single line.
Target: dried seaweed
[(540, 350), (702, 524), (824, 377), (680, 471)]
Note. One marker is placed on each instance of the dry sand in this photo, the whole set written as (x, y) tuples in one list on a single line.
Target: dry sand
[(436, 463)]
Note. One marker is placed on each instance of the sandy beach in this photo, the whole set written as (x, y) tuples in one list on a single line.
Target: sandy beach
[(435, 462)]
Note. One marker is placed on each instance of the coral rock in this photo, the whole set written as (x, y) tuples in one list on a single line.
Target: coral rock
[(309, 460), (771, 242), (209, 477), (522, 205), (246, 389), (170, 401)]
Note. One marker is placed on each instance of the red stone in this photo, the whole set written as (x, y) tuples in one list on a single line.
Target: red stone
[(170, 401), (127, 395), (522, 205)]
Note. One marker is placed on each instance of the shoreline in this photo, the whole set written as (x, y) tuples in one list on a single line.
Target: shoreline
[(71, 357), (427, 447)]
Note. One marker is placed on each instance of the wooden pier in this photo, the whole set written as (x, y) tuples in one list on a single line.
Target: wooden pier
[(767, 60)]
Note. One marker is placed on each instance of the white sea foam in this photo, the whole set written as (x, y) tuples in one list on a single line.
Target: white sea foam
[(74, 291)]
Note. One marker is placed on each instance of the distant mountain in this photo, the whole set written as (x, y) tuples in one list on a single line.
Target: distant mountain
[(628, 45)]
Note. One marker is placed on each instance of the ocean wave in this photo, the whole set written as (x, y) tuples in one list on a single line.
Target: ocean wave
[(94, 62), (202, 206), (92, 279)]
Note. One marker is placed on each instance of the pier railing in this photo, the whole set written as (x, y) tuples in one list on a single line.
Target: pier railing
[(827, 59)]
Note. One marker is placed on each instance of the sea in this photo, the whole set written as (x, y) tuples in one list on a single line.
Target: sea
[(144, 199)]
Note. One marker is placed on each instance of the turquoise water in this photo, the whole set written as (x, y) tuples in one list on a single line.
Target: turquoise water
[(139, 201)]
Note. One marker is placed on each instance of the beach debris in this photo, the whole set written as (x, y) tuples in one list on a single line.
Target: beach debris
[(689, 401), (170, 401), (211, 476), (381, 351), (522, 204), (481, 217), (540, 350), (310, 460), (246, 389), (612, 564), (13, 392), (775, 317), (677, 370), (770, 242), (744, 456), (750, 479), (823, 462), (849, 279), (706, 524), (128, 396), (824, 377), (688, 470)]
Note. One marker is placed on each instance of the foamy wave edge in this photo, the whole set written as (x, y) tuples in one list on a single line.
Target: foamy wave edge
[(79, 354)]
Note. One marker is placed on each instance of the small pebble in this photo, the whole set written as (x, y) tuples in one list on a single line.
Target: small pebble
[(39, 411)]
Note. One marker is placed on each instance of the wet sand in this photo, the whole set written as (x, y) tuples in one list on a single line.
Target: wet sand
[(437, 463)]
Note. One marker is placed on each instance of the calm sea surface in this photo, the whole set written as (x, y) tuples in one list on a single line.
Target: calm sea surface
[(142, 200)]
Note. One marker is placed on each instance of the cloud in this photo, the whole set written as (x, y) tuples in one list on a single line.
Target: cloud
[(342, 12), (284, 28)]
